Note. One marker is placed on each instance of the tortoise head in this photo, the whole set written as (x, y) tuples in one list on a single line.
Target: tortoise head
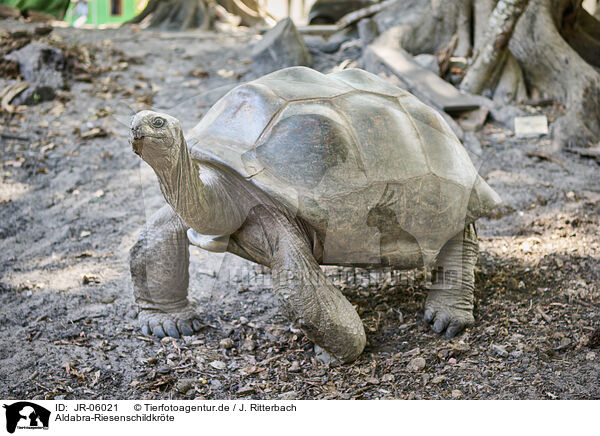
[(157, 138)]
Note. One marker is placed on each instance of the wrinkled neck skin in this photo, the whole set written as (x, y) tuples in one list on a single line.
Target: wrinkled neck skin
[(182, 187)]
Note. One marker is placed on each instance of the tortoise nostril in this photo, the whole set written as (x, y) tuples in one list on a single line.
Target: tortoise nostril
[(137, 132)]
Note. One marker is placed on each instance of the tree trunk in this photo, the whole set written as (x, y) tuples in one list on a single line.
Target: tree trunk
[(556, 48), (148, 10), (176, 15), (493, 51), (464, 31), (188, 14), (557, 71), (584, 37), (481, 15)]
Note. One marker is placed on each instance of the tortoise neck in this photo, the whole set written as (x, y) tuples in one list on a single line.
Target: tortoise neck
[(182, 187)]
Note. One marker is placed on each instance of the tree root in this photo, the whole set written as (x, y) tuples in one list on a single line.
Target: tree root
[(556, 48), (175, 15), (557, 71), (585, 38)]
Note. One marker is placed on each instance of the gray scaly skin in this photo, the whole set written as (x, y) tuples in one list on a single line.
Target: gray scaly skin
[(207, 198)]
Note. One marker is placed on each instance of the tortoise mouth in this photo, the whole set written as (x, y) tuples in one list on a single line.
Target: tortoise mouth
[(136, 145)]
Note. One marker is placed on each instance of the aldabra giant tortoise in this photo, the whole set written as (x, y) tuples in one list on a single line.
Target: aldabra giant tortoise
[(299, 169)]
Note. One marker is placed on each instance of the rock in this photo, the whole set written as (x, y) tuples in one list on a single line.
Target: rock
[(387, 378), (429, 62), (456, 394), (226, 343), (42, 66), (590, 356), (280, 47), (474, 120), (336, 40), (290, 395), (498, 350), (516, 354), (459, 347), (322, 355), (182, 386), (368, 31), (314, 42), (294, 367), (438, 379), (249, 345), (245, 390), (164, 369), (417, 364), (563, 345)]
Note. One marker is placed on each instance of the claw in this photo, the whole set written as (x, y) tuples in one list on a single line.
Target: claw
[(159, 332), (453, 329), (171, 329), (185, 327), (428, 316), (174, 324), (441, 322)]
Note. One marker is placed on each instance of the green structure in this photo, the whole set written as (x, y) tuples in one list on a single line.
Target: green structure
[(56, 8), (107, 11)]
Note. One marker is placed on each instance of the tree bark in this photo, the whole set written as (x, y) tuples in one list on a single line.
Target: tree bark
[(584, 37), (493, 50), (464, 17), (481, 15), (557, 71), (176, 15), (149, 9), (556, 48)]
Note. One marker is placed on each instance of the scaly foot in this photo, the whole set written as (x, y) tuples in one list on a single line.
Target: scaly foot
[(446, 310), (184, 322)]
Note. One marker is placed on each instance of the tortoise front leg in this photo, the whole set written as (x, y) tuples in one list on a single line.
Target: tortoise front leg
[(310, 300), (449, 304), (159, 263), (313, 303)]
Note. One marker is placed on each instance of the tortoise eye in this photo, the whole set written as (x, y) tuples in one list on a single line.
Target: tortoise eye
[(158, 122)]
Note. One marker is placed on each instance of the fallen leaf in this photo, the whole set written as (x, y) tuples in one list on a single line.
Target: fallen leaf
[(217, 364)]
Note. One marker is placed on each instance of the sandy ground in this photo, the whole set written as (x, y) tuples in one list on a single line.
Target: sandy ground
[(72, 204)]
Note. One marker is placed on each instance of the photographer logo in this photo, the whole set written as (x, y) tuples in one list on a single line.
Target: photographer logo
[(26, 415)]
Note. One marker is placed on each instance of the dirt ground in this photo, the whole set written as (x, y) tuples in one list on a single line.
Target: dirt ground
[(74, 197)]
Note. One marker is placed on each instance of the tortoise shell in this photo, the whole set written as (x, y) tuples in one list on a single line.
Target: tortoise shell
[(379, 175)]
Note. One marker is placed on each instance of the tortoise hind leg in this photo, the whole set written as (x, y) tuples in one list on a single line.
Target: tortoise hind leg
[(159, 263), (449, 304)]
